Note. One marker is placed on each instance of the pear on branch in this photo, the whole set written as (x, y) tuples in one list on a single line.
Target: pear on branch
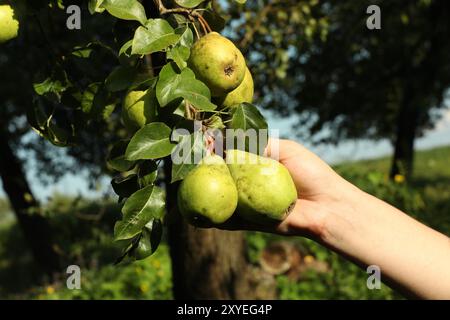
[(217, 62)]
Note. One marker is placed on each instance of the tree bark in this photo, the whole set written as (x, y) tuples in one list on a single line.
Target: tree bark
[(407, 118), (34, 226)]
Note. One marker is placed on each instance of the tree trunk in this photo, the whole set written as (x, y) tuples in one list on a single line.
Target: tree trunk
[(34, 226), (402, 162), (210, 263)]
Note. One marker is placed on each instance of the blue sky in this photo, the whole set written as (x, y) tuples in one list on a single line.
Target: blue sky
[(347, 151)]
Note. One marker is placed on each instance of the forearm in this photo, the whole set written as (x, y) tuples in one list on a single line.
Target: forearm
[(372, 232)]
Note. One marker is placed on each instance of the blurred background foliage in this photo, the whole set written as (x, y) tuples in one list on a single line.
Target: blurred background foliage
[(312, 60)]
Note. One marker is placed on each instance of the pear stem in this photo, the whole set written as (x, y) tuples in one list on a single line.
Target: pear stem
[(202, 23), (196, 31)]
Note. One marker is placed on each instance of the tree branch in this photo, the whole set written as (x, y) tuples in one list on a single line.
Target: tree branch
[(163, 10), (191, 13)]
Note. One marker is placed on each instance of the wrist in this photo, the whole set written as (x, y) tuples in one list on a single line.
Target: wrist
[(325, 217), (341, 215)]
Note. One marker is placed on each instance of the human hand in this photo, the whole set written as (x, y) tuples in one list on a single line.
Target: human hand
[(320, 191)]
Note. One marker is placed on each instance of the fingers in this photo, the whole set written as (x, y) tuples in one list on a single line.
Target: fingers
[(283, 149), (275, 148), (304, 220)]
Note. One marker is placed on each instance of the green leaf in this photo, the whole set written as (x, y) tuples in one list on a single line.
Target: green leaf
[(156, 229), (126, 9), (189, 3), (147, 242), (150, 142), (187, 37), (57, 135), (82, 52), (88, 97), (215, 21), (180, 55), (187, 150), (157, 35), (181, 51), (172, 85), (241, 1), (178, 19), (49, 86), (246, 117), (124, 187), (142, 206), (116, 158), (127, 45), (147, 173), (120, 78), (96, 101), (36, 116), (94, 6), (143, 79)]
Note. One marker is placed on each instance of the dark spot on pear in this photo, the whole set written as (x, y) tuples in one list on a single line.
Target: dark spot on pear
[(229, 71), (290, 208)]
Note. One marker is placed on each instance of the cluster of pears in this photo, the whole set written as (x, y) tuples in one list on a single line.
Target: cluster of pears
[(217, 62), (9, 26), (258, 189)]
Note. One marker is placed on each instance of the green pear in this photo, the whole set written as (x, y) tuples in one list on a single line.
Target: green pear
[(243, 93), (217, 62), (138, 109), (9, 27), (208, 193), (266, 191)]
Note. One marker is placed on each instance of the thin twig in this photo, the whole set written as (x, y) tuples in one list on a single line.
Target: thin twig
[(196, 31), (187, 110), (205, 30), (191, 13), (202, 19), (163, 10)]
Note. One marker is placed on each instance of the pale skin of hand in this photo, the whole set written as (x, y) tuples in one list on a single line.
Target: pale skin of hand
[(412, 257)]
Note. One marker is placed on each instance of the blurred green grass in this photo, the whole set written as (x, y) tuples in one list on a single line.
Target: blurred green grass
[(85, 238)]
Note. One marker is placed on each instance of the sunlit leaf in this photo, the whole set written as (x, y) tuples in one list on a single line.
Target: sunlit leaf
[(189, 3), (172, 85), (142, 206), (157, 35), (150, 142), (186, 151), (126, 9)]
